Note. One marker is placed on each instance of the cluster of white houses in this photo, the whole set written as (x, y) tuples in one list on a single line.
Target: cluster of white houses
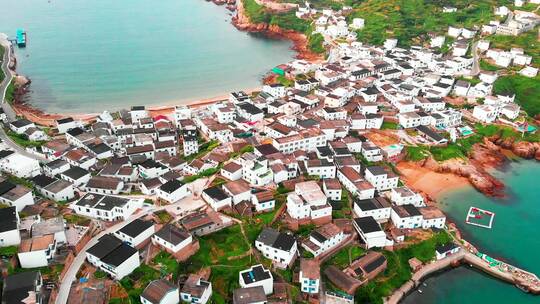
[(308, 142)]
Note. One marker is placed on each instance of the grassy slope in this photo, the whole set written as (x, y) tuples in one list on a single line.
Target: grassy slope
[(527, 91), (409, 20)]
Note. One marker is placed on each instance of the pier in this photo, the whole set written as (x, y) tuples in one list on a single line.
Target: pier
[(522, 279)]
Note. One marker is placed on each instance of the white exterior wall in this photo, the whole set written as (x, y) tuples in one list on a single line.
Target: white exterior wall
[(433, 223), (277, 255), (134, 242), (10, 238), (407, 222), (33, 259), (308, 285), (380, 215), (172, 247)]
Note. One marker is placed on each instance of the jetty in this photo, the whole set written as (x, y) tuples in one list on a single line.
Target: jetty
[(522, 279)]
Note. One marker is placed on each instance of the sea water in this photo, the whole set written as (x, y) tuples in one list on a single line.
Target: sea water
[(89, 56), (513, 238)]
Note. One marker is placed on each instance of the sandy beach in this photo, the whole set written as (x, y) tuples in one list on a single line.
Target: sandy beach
[(431, 183)]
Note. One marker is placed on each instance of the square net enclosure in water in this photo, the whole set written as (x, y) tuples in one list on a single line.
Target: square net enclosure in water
[(479, 217)]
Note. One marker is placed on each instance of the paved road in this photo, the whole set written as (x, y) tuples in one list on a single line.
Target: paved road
[(5, 105), (475, 70)]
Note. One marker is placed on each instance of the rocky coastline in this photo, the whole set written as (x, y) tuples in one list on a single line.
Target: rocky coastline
[(300, 42), (493, 152)]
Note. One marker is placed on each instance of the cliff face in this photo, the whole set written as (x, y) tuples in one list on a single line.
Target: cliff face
[(300, 43)]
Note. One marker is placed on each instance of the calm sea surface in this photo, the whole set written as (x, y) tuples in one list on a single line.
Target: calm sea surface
[(514, 238), (94, 55)]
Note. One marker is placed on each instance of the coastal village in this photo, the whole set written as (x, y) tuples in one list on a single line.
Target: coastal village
[(309, 190)]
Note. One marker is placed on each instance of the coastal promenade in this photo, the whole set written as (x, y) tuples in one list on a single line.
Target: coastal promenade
[(526, 281), (8, 110)]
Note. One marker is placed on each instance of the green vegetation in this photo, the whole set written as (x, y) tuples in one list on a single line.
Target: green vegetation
[(462, 147), (472, 81), (166, 263), (527, 91), (345, 256), (389, 125), (527, 41), (100, 274), (77, 219), (398, 271), (342, 208), (316, 43), (203, 173), (285, 81), (135, 283), (417, 153), (163, 216), (8, 251), (10, 92), (217, 247), (288, 21), (411, 20), (204, 149), (486, 66), (223, 252), (321, 4), (22, 140), (20, 181)]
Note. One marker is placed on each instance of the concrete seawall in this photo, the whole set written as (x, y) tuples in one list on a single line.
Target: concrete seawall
[(526, 280)]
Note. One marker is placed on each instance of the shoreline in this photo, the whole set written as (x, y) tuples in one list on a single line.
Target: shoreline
[(240, 21)]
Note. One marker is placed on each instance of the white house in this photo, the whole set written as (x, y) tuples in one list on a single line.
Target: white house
[(332, 189), (446, 250), (196, 290), (432, 217), (308, 201), (172, 238), (263, 201), (18, 164), (323, 239), (216, 198), (160, 292), (309, 276), (406, 217), (371, 232), (9, 230), (15, 195), (37, 251), (281, 248), (105, 207), (257, 276), (136, 232), (404, 195), (378, 208), (172, 191), (381, 178), (113, 256), (54, 189)]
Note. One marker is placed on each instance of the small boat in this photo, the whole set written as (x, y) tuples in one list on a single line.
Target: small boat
[(420, 290), (21, 38)]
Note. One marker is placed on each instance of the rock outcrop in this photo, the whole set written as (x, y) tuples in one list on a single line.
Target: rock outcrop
[(477, 176), (300, 43)]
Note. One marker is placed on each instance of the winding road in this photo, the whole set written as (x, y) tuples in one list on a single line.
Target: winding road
[(10, 113)]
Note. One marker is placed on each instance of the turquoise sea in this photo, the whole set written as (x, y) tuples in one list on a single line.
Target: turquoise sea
[(514, 238), (94, 55)]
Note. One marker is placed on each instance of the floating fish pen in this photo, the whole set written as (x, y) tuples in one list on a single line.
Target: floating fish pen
[(479, 217)]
